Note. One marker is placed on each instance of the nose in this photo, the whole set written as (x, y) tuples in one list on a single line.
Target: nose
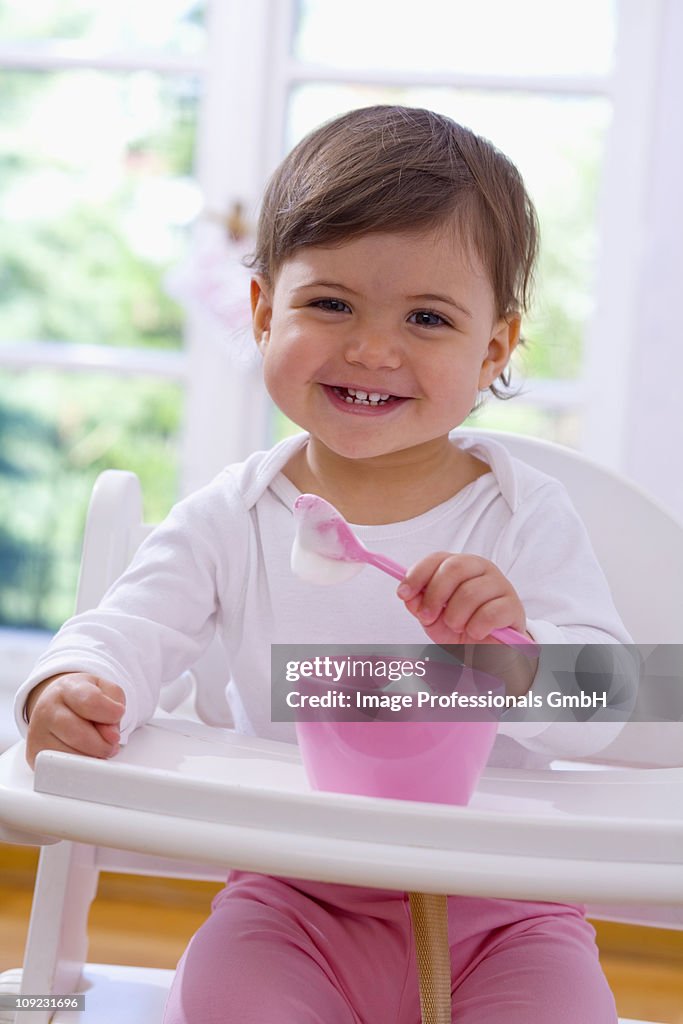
[(374, 349)]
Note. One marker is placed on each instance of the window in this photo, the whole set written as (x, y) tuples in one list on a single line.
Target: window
[(124, 122), (97, 193)]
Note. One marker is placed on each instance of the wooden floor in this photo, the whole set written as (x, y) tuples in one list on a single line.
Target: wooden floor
[(148, 922)]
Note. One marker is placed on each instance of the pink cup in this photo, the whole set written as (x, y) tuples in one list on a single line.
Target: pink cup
[(434, 761)]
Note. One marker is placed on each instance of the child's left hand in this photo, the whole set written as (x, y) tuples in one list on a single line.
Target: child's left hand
[(460, 598)]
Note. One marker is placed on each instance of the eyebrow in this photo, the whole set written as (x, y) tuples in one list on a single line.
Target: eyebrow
[(441, 298), (327, 284)]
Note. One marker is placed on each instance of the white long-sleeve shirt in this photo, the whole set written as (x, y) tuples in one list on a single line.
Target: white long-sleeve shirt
[(221, 562)]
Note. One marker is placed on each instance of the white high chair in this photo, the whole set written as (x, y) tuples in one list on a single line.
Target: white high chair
[(188, 801)]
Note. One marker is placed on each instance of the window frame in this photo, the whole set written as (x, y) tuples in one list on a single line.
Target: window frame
[(239, 142)]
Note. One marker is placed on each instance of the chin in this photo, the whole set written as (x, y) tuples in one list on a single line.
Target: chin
[(359, 451)]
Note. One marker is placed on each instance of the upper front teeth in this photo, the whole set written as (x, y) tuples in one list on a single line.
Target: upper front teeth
[(372, 396)]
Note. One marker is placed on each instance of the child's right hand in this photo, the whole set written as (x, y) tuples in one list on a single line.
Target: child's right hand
[(75, 712)]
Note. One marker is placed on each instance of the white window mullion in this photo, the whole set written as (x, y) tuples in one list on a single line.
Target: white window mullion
[(76, 55), (613, 332), (281, 77), (653, 426), (71, 357), (240, 132), (571, 85)]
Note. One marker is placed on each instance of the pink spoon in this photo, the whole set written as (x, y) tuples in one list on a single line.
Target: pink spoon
[(326, 550)]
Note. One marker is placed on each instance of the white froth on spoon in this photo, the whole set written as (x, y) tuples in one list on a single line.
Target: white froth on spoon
[(325, 549), (313, 567)]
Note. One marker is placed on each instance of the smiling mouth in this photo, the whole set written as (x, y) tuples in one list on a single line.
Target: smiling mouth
[(355, 396)]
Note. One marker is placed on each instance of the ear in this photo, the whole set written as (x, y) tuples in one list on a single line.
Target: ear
[(501, 346), (261, 311)]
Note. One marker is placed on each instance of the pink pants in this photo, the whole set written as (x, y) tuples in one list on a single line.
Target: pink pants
[(283, 951)]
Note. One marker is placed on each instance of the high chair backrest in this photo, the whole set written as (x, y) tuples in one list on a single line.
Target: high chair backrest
[(114, 530), (639, 544)]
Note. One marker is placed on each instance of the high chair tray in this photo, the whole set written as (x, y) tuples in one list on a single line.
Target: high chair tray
[(181, 790)]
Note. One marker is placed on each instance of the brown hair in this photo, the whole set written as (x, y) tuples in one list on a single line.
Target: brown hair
[(392, 168)]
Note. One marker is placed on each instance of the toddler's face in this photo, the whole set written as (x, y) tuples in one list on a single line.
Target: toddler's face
[(380, 344)]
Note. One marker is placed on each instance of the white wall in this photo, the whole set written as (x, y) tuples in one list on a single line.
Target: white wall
[(634, 421), (653, 432)]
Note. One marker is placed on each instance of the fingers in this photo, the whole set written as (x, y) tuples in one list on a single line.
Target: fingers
[(462, 595), (95, 699), (420, 574), (77, 713), (110, 733)]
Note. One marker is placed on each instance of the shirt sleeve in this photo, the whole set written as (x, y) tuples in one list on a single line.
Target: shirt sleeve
[(160, 616), (548, 557)]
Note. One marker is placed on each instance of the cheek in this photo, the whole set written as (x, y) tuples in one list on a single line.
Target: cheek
[(455, 389), (291, 354), (282, 378), (271, 372), (456, 375)]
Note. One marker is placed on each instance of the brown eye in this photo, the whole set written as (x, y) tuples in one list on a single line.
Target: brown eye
[(333, 305), (425, 318)]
